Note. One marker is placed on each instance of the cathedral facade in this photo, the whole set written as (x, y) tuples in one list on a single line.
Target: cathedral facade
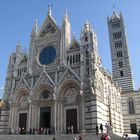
[(60, 83)]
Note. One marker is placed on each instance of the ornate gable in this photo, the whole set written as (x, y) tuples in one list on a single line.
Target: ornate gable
[(49, 27), (69, 74), (22, 83), (44, 79)]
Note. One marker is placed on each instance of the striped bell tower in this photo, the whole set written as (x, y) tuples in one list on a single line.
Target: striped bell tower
[(121, 68)]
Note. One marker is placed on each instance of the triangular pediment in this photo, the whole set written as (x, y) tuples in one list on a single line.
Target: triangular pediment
[(22, 83), (44, 79), (69, 74), (49, 27)]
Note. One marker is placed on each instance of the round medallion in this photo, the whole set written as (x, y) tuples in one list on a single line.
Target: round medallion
[(47, 55)]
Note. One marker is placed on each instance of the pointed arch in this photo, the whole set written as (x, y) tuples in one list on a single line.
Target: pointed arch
[(66, 84), (38, 91), (20, 95)]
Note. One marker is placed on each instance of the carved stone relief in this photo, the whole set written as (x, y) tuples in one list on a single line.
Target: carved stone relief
[(71, 96)]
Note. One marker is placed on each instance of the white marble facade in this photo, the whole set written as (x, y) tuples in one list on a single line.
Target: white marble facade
[(67, 86)]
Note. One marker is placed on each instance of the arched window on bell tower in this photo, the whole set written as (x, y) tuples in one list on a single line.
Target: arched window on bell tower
[(131, 108)]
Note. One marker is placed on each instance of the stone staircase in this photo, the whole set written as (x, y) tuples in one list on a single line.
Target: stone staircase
[(4, 120), (57, 136)]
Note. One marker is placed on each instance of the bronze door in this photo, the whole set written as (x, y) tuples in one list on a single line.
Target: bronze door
[(71, 120), (45, 117), (22, 122)]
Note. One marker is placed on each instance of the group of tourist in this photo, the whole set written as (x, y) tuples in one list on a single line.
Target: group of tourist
[(40, 131), (104, 136), (70, 129), (107, 126)]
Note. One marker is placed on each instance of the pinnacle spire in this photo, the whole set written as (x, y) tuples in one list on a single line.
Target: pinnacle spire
[(66, 17), (35, 28), (50, 10)]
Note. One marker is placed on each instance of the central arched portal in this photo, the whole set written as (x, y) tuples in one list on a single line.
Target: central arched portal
[(71, 120), (71, 110), (45, 110)]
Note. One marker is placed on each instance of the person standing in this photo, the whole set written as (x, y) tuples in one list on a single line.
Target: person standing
[(101, 128), (97, 130), (72, 129), (102, 137)]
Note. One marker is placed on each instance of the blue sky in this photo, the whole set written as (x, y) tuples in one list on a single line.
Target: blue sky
[(18, 17)]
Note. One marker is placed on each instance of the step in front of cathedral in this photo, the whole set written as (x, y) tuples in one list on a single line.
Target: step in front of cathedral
[(57, 137)]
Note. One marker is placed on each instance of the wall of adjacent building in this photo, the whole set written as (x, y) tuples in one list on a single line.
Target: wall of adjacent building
[(127, 117)]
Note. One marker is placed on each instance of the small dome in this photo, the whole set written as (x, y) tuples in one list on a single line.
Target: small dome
[(24, 59), (74, 44)]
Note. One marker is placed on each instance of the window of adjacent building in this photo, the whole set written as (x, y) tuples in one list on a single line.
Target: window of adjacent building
[(118, 44), (133, 127), (120, 64), (117, 35), (119, 53), (131, 106), (121, 73)]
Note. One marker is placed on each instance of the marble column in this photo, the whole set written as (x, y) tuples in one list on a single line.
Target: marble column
[(81, 114), (10, 116), (61, 118), (29, 116), (58, 117), (12, 119), (54, 115), (15, 118), (34, 119)]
